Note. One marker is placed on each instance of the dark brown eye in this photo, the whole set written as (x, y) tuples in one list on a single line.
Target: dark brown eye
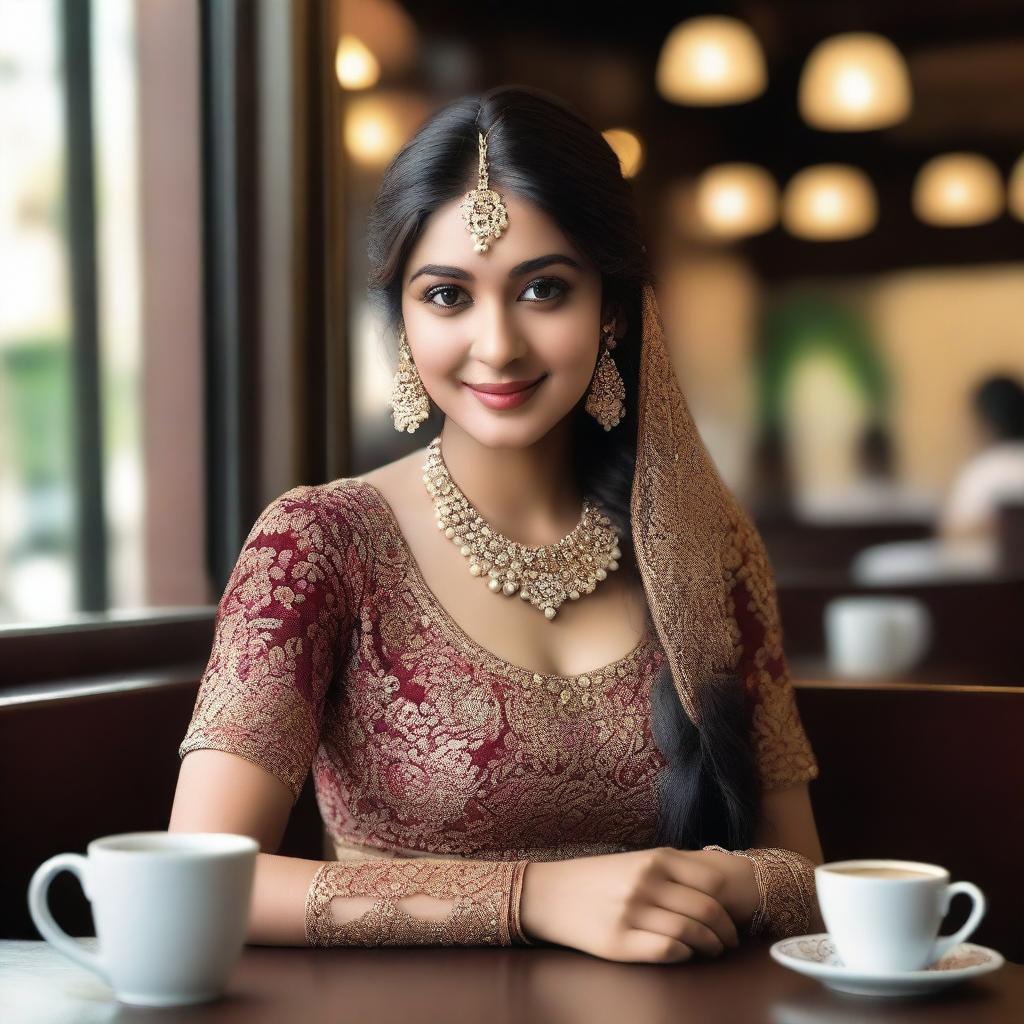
[(443, 289), (545, 284)]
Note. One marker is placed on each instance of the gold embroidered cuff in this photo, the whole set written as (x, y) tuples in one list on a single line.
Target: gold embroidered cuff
[(785, 882), (482, 900)]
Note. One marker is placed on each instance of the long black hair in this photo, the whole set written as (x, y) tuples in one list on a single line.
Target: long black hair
[(543, 151)]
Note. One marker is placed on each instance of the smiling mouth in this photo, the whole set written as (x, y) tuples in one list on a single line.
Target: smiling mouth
[(510, 388)]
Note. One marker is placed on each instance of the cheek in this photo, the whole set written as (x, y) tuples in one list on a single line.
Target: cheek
[(438, 362), (437, 350), (570, 366)]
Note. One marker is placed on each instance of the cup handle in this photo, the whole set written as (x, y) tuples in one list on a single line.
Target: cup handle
[(40, 910), (945, 943)]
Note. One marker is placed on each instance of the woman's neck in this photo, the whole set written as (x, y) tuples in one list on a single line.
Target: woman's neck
[(528, 494)]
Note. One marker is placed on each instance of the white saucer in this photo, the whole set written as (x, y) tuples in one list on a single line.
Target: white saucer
[(816, 956)]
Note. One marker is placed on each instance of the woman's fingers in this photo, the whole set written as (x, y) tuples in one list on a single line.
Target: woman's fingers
[(653, 947), (692, 887), (699, 906), (695, 934)]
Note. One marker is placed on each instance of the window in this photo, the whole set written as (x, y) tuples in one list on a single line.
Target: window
[(101, 460)]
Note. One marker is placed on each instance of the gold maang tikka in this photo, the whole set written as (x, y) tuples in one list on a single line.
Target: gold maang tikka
[(483, 210)]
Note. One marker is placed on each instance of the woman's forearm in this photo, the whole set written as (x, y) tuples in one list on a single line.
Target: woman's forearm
[(277, 915), (386, 901)]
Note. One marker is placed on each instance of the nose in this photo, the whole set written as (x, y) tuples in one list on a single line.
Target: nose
[(498, 343)]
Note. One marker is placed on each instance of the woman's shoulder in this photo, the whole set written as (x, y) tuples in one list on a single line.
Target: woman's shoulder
[(347, 512), (386, 483), (332, 514)]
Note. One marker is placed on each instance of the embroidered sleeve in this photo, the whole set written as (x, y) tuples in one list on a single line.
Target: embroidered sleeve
[(788, 901), (416, 901), (782, 751), (279, 631)]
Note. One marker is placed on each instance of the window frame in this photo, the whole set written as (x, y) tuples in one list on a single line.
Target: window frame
[(100, 644)]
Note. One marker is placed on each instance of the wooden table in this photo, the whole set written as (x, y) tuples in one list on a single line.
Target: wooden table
[(472, 984)]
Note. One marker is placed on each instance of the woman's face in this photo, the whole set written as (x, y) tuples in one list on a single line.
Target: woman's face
[(527, 309)]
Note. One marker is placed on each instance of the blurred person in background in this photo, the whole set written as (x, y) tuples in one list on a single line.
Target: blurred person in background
[(995, 474), (877, 494), (966, 543)]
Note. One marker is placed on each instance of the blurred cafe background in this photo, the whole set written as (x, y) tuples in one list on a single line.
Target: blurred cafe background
[(833, 194)]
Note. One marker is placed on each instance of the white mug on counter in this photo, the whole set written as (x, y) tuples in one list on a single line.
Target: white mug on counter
[(171, 911), (870, 636)]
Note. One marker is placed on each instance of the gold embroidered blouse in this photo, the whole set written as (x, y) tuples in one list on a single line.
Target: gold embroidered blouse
[(331, 652)]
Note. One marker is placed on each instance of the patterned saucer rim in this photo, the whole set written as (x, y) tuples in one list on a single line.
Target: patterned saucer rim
[(821, 969)]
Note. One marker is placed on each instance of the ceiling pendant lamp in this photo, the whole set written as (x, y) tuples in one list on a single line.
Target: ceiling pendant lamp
[(827, 202), (855, 81), (958, 190), (710, 60), (737, 199)]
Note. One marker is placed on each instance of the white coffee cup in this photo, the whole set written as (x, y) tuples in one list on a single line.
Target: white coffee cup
[(874, 635), (171, 911), (889, 921)]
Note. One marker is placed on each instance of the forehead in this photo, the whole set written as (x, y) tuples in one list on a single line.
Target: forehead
[(530, 233)]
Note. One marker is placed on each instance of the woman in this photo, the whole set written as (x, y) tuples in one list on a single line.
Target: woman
[(481, 781)]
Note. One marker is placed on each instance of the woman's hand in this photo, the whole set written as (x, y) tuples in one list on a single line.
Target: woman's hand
[(740, 895), (659, 905)]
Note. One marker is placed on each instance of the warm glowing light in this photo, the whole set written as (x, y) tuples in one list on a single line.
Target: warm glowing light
[(829, 201), (737, 199), (958, 190), (372, 133), (854, 82), (354, 64), (1015, 193), (628, 148), (710, 60), (377, 124)]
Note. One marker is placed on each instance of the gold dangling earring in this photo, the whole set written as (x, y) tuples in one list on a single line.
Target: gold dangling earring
[(605, 399), (410, 404)]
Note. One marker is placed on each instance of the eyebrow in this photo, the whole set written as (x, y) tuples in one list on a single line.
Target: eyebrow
[(520, 268)]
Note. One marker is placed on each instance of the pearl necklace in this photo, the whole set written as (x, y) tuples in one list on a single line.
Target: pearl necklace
[(544, 576)]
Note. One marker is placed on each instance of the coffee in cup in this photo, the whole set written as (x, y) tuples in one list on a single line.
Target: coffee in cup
[(171, 911), (884, 915), (884, 873)]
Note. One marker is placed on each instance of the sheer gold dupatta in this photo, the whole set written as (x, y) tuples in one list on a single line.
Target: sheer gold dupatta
[(708, 581)]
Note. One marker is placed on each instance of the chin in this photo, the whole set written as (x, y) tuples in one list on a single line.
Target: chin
[(508, 435), (502, 430)]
